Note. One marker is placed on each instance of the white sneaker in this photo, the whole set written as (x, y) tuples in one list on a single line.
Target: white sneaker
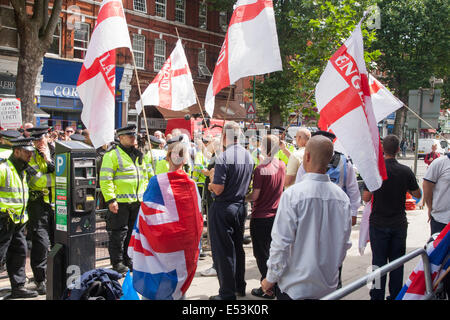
[(211, 272)]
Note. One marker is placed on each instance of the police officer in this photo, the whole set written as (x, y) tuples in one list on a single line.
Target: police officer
[(285, 150), (40, 211), (156, 160), (5, 143), (123, 181), (13, 215)]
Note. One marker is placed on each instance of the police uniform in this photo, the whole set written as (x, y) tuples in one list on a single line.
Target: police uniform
[(156, 161), (280, 154), (123, 178), (41, 214), (13, 218)]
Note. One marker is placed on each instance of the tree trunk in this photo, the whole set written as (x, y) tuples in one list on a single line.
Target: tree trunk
[(275, 116), (399, 123)]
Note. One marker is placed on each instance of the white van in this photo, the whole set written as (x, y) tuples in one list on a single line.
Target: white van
[(425, 147)]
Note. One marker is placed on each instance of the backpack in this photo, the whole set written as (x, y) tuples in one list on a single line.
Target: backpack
[(337, 170)]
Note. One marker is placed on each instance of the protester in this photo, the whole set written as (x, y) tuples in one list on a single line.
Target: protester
[(232, 174), (301, 137), (387, 223), (403, 147), (433, 155), (13, 216), (170, 244), (27, 126), (285, 150), (268, 182), (311, 231), (436, 187), (68, 132)]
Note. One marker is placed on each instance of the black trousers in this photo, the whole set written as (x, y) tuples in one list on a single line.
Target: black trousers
[(260, 229), (40, 228), (387, 245), (226, 227), (13, 250), (120, 227)]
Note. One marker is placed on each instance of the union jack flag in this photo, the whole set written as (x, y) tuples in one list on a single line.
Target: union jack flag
[(164, 245), (437, 251)]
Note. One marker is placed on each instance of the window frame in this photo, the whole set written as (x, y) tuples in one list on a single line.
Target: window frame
[(177, 10), (136, 36), (161, 4), (77, 48), (142, 3), (159, 55), (200, 16)]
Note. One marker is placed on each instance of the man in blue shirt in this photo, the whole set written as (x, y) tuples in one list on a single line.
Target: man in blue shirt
[(232, 174)]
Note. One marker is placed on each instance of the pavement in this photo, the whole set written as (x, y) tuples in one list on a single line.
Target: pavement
[(355, 265)]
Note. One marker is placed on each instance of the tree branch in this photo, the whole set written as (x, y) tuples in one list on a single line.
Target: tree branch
[(20, 10), (47, 36), (37, 12)]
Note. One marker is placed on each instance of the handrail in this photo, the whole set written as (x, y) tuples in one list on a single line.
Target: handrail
[(344, 291)]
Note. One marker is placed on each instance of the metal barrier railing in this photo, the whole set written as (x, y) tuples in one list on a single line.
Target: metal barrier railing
[(378, 273)]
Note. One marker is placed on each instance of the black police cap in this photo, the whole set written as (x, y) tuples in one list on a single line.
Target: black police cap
[(327, 134), (176, 139), (24, 143), (129, 130), (10, 134), (155, 141)]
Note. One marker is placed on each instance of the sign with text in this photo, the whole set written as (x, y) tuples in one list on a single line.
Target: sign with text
[(10, 113)]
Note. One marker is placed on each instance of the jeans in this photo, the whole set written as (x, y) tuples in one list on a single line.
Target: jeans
[(388, 244)]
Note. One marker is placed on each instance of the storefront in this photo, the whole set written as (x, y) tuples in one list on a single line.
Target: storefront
[(59, 97)]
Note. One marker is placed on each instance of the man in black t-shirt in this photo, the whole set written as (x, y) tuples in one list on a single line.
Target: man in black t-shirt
[(388, 224)]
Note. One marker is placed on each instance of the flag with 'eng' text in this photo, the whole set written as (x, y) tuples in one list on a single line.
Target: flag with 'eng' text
[(97, 80), (343, 100)]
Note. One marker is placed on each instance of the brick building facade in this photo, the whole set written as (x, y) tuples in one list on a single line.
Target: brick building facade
[(154, 26)]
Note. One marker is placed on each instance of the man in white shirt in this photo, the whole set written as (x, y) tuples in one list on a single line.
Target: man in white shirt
[(436, 186), (311, 231), (295, 160)]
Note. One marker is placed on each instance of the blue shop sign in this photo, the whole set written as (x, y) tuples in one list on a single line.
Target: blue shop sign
[(59, 90)]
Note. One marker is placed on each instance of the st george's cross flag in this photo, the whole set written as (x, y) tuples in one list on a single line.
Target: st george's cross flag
[(97, 80), (164, 245), (250, 47), (383, 101), (173, 87), (343, 100), (438, 252)]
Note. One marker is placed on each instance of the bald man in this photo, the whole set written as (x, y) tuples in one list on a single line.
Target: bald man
[(295, 160), (311, 231)]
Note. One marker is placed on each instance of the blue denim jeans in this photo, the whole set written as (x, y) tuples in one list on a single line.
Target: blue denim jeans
[(388, 244)]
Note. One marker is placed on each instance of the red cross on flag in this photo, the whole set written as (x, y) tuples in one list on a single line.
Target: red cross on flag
[(97, 79), (344, 103), (383, 101), (250, 47), (173, 87)]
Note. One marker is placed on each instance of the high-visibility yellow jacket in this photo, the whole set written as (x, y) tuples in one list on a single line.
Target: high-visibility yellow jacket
[(161, 164), (5, 153), (13, 192), (121, 178), (200, 162), (43, 180)]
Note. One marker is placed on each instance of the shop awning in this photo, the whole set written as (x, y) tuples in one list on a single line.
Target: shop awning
[(38, 113)]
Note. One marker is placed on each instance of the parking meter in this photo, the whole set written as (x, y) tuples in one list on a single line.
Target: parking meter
[(75, 204)]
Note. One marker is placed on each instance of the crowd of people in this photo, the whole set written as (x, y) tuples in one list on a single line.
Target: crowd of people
[(302, 200)]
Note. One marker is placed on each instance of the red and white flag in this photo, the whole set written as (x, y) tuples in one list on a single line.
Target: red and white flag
[(250, 47), (383, 101), (343, 100), (173, 87), (97, 80)]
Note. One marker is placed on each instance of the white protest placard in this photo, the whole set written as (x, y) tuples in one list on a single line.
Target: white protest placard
[(10, 113)]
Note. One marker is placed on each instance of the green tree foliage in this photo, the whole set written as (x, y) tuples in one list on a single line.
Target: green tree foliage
[(415, 41)]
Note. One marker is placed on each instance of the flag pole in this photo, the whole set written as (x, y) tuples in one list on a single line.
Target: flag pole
[(143, 110), (195, 90)]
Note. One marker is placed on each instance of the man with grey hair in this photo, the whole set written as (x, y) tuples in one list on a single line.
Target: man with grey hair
[(232, 174), (295, 160)]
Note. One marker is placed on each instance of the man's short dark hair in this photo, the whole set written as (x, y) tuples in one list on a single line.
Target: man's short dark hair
[(391, 144)]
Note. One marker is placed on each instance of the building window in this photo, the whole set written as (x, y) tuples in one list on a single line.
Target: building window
[(180, 6), (80, 40), (202, 15), (223, 21), (159, 54), (55, 47), (160, 8), (203, 70), (140, 5), (139, 50)]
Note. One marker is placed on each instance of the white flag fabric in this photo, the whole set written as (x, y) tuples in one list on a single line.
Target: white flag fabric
[(97, 79), (383, 101), (173, 87), (343, 100), (364, 228), (250, 47)]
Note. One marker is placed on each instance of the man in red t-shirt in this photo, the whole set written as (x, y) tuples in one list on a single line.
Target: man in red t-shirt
[(430, 157), (268, 182)]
